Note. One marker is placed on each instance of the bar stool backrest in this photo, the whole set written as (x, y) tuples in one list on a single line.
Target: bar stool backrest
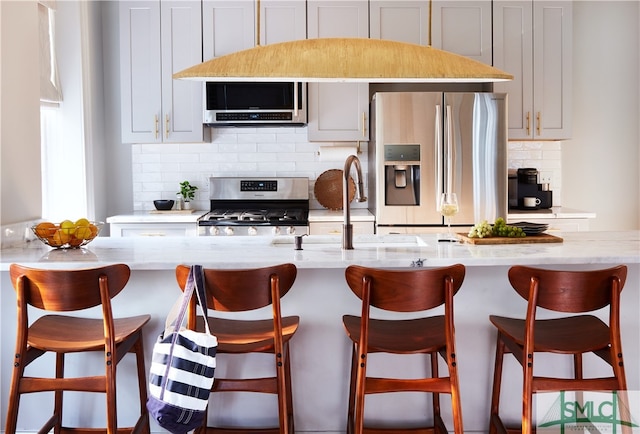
[(242, 290), (68, 290), (569, 291), (400, 291)]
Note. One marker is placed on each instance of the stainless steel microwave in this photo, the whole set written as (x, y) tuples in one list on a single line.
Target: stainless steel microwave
[(255, 103)]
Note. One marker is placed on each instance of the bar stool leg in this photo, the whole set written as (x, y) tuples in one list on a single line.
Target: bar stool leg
[(456, 402), (352, 391), (58, 395), (434, 373), (497, 381)]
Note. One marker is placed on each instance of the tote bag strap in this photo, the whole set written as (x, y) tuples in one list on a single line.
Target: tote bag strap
[(195, 283), (200, 293)]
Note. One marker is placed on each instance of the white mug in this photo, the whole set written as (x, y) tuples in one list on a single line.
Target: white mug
[(531, 202)]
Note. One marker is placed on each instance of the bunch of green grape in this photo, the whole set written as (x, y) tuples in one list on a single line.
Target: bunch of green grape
[(499, 229), (502, 229), (481, 230)]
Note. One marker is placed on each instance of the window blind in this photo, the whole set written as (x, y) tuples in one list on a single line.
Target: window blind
[(50, 92)]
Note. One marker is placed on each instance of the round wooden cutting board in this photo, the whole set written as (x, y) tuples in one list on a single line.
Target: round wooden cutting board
[(328, 189)]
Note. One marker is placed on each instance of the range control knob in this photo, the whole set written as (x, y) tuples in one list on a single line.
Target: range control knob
[(252, 230), (276, 230), (214, 230), (291, 230), (228, 231)]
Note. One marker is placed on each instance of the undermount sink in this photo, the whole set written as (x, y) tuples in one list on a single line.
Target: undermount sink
[(362, 241)]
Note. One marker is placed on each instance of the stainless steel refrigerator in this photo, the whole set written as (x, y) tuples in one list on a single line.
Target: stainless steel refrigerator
[(426, 143)]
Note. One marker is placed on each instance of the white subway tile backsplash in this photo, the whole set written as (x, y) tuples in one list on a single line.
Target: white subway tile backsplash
[(544, 156), (148, 177), (158, 169)]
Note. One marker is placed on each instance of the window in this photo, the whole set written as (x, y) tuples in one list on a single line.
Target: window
[(63, 166)]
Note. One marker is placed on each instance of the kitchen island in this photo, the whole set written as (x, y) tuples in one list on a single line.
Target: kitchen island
[(320, 349)]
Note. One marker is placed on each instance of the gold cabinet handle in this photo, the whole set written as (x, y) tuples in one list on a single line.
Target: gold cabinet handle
[(157, 121), (528, 123), (166, 126), (538, 118), (364, 124)]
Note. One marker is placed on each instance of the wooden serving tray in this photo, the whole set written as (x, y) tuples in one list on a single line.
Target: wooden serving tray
[(172, 211), (541, 238)]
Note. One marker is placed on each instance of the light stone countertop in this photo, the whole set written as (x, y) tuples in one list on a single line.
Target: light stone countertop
[(161, 217), (555, 212), (324, 252), (357, 214), (323, 215)]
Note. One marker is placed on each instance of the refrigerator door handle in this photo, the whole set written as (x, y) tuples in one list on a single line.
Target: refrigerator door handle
[(438, 142), (449, 152)]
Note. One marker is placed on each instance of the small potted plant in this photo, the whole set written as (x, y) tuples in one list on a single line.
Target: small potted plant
[(188, 193)]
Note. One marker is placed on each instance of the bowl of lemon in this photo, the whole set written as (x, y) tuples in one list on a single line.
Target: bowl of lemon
[(67, 234)]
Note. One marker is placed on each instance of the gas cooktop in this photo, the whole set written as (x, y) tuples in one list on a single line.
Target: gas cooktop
[(280, 204)]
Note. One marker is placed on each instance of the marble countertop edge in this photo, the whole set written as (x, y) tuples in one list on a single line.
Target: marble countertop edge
[(320, 252)]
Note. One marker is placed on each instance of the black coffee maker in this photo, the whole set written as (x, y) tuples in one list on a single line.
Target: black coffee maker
[(524, 183)]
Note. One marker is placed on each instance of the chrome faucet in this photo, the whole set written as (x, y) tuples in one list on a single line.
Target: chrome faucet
[(347, 227)]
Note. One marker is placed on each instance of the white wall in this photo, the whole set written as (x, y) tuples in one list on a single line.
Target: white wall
[(600, 163), (19, 112)]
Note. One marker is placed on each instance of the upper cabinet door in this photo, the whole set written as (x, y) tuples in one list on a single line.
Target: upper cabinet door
[(282, 21), (463, 27), (181, 40), (403, 21), (227, 26), (513, 53), (533, 41), (158, 39), (552, 61), (140, 76), (338, 111)]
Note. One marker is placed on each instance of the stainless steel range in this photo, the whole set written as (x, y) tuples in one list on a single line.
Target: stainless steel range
[(256, 206)]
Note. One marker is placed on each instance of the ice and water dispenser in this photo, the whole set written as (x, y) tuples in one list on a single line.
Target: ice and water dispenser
[(402, 174)]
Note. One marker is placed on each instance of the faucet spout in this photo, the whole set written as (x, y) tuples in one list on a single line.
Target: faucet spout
[(347, 227)]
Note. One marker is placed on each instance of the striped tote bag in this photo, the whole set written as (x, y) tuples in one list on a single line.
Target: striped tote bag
[(182, 366)]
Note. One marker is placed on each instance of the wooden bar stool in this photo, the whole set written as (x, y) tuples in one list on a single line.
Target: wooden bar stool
[(240, 291), (65, 291), (576, 292), (403, 291)]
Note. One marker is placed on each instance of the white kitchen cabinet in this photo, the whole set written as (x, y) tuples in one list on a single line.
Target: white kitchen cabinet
[(282, 21), (338, 111), (157, 39), (533, 41), (153, 229), (463, 27), (227, 26), (231, 25), (400, 20), (155, 224), (329, 222), (335, 228)]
